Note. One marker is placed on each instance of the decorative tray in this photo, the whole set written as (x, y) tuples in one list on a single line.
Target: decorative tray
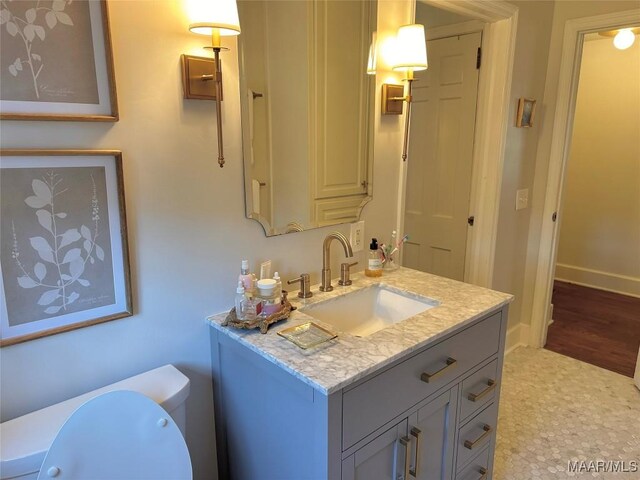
[(261, 322), (307, 335)]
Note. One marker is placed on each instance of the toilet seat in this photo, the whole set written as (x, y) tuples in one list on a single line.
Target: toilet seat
[(118, 435)]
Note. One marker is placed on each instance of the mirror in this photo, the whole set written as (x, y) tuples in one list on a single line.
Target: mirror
[(307, 111)]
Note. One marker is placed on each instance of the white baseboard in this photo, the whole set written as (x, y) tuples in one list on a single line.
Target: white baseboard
[(610, 282), (517, 336)]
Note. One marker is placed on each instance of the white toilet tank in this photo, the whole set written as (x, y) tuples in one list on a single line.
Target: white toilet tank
[(25, 440)]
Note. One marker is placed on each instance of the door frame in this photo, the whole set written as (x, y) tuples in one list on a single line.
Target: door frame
[(572, 43), (492, 120)]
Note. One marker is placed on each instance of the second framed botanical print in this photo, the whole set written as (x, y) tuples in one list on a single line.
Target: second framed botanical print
[(63, 236), (56, 61)]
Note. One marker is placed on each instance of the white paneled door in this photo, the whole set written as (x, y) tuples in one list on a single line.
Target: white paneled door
[(440, 157)]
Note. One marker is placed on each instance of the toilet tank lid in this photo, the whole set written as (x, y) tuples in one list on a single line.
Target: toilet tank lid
[(26, 439)]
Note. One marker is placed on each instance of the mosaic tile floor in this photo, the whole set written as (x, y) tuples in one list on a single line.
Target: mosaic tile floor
[(555, 409)]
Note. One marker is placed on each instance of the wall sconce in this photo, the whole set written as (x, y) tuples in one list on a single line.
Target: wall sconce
[(410, 56), (216, 19)]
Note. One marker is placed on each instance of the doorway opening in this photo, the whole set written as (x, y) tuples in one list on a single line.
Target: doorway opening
[(596, 293)]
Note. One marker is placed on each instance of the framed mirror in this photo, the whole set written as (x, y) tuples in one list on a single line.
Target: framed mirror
[(307, 106)]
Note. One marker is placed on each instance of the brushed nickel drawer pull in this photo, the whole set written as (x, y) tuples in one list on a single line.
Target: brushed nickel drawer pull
[(474, 397), (406, 443), (483, 473), (471, 444), (416, 432), (429, 377)]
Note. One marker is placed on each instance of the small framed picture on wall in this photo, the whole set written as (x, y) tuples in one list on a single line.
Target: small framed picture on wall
[(64, 254), (526, 112)]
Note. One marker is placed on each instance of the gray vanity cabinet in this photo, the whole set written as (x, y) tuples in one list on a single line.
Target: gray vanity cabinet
[(420, 447), (429, 415), (379, 458), (432, 430)]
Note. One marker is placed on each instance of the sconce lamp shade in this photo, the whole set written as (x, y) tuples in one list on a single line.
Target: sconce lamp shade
[(373, 52), (209, 15), (411, 49)]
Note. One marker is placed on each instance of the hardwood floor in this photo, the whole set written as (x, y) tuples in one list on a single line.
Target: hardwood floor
[(594, 326)]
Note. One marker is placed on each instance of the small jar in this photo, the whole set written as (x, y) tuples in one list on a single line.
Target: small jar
[(266, 287)]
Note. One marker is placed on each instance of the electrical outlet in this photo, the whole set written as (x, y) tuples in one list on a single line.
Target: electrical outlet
[(357, 236), (522, 198)]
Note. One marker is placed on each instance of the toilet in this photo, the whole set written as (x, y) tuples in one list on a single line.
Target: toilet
[(130, 429)]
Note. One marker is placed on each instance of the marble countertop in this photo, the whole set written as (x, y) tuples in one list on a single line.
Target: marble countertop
[(342, 361)]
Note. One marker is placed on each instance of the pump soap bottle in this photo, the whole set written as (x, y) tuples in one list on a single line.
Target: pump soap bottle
[(374, 267)]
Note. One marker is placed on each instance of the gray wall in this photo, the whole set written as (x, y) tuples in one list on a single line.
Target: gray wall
[(530, 66)]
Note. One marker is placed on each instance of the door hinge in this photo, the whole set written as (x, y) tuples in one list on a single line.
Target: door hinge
[(479, 58), (471, 220)]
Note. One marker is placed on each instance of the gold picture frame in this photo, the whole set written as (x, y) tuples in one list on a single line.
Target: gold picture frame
[(64, 256), (69, 79), (526, 112)]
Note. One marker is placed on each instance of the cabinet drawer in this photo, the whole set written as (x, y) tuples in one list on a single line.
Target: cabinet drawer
[(373, 403), (478, 468), (478, 389), (476, 434)]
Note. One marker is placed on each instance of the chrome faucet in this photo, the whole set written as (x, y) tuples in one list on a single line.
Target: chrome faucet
[(326, 258)]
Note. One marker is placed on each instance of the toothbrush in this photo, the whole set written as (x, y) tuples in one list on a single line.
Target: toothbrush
[(399, 244), (402, 240)]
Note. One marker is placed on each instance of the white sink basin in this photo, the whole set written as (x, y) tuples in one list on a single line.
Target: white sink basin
[(366, 311)]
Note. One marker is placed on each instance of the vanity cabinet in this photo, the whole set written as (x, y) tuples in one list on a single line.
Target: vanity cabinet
[(421, 446), (378, 458), (430, 414)]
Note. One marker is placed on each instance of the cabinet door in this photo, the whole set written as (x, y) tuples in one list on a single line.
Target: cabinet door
[(381, 459), (431, 429)]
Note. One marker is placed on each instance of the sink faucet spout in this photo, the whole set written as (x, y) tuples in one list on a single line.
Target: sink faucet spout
[(326, 258)]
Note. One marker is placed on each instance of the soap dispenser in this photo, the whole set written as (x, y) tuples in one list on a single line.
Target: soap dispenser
[(374, 266)]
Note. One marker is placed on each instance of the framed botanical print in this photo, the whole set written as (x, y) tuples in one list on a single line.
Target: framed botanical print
[(64, 255), (56, 61)]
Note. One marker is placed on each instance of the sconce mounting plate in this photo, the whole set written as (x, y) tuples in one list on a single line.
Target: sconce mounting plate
[(197, 77), (392, 99)]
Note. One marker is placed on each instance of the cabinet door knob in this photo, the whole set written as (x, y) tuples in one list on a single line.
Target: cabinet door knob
[(430, 377), (417, 433), (474, 397), (470, 444)]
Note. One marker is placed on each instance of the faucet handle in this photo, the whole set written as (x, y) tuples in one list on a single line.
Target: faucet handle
[(305, 285), (344, 273)]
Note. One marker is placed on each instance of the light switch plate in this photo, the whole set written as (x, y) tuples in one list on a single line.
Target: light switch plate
[(356, 236), (522, 199)]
